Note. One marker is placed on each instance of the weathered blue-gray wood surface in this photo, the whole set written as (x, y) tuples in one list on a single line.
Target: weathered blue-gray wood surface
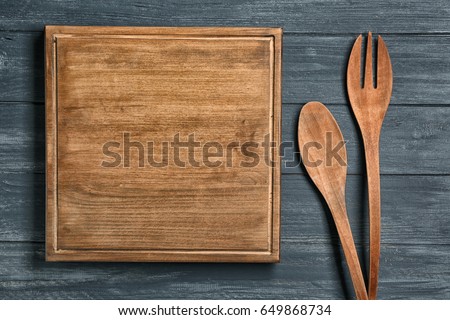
[(413, 140), (307, 16), (313, 67), (415, 153)]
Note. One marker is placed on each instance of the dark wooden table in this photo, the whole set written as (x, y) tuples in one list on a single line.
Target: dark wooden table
[(318, 35)]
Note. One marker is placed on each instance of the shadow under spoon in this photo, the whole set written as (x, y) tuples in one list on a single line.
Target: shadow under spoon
[(317, 128)]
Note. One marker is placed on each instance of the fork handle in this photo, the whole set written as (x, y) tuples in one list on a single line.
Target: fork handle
[(372, 154)]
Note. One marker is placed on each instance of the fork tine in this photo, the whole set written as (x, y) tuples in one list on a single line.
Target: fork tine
[(368, 75), (384, 67), (354, 66)]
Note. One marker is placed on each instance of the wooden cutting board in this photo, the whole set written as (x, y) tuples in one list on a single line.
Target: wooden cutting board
[(159, 144)]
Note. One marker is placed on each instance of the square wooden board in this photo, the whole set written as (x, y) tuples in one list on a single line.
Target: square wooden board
[(155, 144)]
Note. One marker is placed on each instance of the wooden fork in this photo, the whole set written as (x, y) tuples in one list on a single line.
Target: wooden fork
[(369, 104)]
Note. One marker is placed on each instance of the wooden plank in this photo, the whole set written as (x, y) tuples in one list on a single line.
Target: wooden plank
[(307, 271), (311, 16), (22, 206), (313, 67), (413, 141), (22, 137), (414, 210), (22, 66)]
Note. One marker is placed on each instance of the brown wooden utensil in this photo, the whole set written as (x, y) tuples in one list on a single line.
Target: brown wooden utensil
[(317, 130), (369, 104)]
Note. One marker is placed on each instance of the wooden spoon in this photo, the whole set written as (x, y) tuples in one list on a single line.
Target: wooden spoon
[(319, 138)]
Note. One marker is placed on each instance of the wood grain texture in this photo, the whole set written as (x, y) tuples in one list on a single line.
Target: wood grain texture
[(313, 67), (415, 246), (317, 130), (308, 271), (413, 141), (414, 152), (295, 16), (218, 86), (415, 207), (370, 102)]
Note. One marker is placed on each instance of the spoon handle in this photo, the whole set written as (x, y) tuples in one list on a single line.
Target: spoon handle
[(373, 186), (351, 256)]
